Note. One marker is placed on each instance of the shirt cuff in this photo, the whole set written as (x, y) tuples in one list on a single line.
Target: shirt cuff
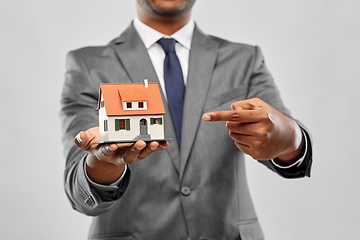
[(298, 162)]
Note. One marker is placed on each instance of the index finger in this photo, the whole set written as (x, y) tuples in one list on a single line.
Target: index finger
[(233, 116)]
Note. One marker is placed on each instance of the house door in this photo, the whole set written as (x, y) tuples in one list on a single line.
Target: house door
[(143, 127)]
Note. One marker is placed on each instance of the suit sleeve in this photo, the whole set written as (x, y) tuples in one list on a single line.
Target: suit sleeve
[(262, 86), (78, 113)]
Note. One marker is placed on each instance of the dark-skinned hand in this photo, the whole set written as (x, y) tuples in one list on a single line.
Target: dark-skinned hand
[(106, 162), (261, 131)]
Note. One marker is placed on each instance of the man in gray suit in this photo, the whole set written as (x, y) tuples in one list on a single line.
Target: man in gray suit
[(195, 188)]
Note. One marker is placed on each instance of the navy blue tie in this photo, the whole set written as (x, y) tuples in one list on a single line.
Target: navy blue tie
[(174, 84)]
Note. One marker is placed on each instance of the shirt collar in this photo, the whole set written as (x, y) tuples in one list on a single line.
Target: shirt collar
[(150, 36)]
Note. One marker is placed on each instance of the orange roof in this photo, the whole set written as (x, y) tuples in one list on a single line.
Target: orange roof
[(132, 94), (115, 93)]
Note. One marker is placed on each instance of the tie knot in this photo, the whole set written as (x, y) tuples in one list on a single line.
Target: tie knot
[(168, 44)]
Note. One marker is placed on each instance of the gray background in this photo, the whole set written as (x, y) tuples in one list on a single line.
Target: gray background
[(311, 47)]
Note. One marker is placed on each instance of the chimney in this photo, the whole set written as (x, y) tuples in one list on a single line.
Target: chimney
[(146, 83)]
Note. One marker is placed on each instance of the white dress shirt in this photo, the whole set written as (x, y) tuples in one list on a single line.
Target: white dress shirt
[(157, 55)]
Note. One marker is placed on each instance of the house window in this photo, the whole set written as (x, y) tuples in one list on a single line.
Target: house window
[(155, 121), (122, 124), (133, 106), (102, 104), (106, 128)]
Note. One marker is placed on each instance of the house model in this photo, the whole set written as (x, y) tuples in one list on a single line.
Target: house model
[(130, 112)]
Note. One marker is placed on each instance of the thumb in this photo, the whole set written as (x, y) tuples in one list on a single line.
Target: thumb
[(249, 104), (83, 141)]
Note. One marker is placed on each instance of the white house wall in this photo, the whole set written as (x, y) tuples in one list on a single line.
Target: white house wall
[(102, 117), (155, 131)]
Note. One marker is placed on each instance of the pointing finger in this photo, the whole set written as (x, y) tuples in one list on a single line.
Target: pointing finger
[(229, 115), (244, 116)]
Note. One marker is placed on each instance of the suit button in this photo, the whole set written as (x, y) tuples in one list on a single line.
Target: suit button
[(185, 191)]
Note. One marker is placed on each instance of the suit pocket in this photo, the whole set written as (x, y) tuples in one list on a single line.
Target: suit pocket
[(250, 230), (236, 94)]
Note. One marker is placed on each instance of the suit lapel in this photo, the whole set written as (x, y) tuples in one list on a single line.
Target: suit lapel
[(203, 55), (136, 61), (134, 57)]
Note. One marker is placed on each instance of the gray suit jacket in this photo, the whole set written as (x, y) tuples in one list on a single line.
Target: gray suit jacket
[(199, 192)]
